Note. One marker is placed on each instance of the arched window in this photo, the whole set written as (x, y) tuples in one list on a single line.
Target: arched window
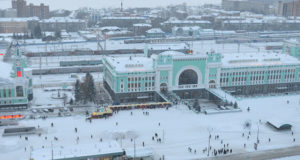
[(19, 91)]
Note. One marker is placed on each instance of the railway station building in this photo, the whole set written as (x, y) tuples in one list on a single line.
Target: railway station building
[(135, 78)]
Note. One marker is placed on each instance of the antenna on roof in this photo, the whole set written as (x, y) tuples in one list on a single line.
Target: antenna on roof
[(121, 6)]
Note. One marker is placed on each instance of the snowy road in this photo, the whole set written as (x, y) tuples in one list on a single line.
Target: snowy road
[(261, 155)]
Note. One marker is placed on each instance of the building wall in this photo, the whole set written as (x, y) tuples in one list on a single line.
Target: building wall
[(24, 10), (13, 27), (259, 75), (287, 9)]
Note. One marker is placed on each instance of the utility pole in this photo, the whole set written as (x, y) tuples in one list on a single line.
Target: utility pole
[(51, 150), (257, 138), (208, 150), (134, 149)]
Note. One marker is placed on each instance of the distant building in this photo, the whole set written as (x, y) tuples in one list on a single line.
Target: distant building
[(62, 23), (246, 5), (8, 13), (17, 25), (155, 33), (291, 8), (122, 22), (292, 47), (186, 31), (173, 22), (141, 28), (24, 10)]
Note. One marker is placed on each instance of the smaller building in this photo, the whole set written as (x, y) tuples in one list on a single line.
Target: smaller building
[(62, 23), (17, 25), (186, 31), (155, 33), (292, 47), (141, 28)]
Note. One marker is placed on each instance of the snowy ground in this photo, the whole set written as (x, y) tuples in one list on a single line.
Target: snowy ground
[(182, 129)]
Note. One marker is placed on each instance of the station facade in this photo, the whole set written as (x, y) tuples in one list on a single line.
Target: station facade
[(134, 78), (15, 84)]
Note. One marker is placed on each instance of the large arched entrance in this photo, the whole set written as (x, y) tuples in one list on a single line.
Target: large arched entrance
[(188, 77)]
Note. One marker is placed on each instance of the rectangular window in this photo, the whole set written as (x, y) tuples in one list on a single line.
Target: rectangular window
[(4, 93), (19, 91)]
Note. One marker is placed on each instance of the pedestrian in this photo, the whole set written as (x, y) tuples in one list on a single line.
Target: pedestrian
[(152, 138), (131, 113), (292, 133), (116, 123), (244, 145), (248, 109), (159, 124), (294, 139), (75, 129), (51, 124), (269, 139), (195, 151), (230, 150), (91, 136), (243, 135), (143, 144)]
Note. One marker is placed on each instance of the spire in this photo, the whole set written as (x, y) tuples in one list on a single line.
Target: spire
[(121, 6)]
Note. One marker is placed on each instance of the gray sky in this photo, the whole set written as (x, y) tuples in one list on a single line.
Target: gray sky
[(75, 4)]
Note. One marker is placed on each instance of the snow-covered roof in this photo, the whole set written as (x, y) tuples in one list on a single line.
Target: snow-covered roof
[(142, 25), (77, 151), (124, 18), (19, 19), (186, 22), (155, 30), (130, 64), (172, 53), (110, 28), (188, 28), (257, 60), (61, 20)]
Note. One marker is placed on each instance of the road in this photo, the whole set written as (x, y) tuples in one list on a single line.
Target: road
[(260, 155)]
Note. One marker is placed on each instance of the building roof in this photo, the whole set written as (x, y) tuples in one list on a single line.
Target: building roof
[(130, 64), (19, 19), (172, 53), (124, 18), (142, 25), (155, 30), (61, 20), (257, 60)]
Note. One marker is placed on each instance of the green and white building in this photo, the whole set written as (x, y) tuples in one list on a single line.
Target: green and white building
[(292, 47), (135, 78), (15, 83)]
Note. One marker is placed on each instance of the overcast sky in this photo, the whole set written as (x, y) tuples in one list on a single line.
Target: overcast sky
[(75, 4)]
